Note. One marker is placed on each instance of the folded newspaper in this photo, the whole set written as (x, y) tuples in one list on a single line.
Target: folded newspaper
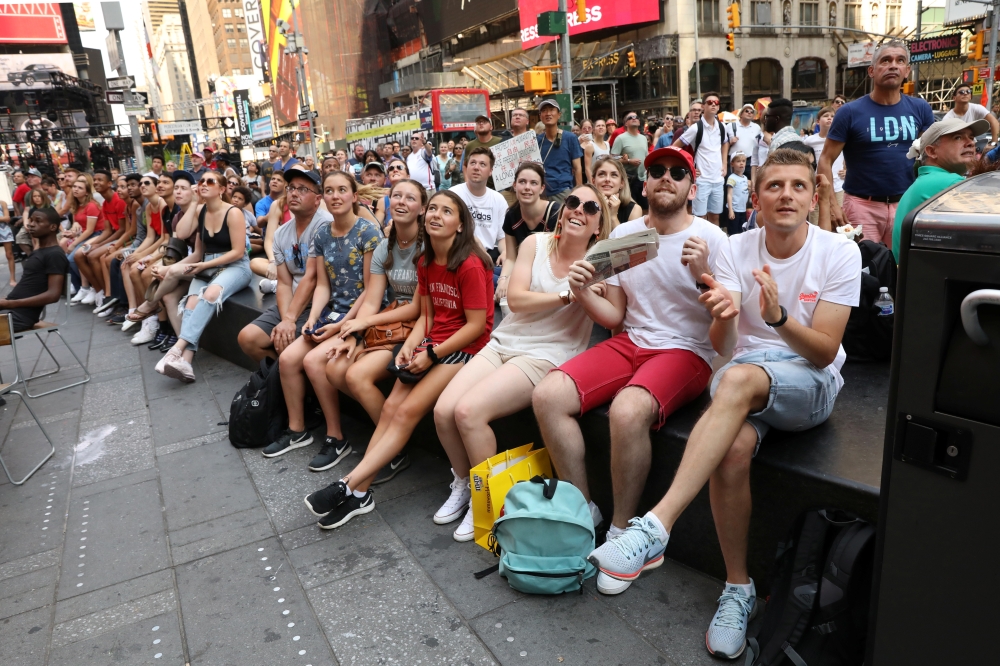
[(615, 255)]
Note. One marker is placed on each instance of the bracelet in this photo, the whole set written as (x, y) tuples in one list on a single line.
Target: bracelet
[(432, 355), (780, 322), (503, 277), (359, 336)]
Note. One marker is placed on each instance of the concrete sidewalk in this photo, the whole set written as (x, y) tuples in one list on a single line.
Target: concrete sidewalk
[(148, 538)]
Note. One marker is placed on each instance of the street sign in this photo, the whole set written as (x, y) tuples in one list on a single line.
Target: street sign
[(180, 127), (228, 122), (977, 89), (136, 102), (121, 82), (305, 124), (306, 115), (260, 129), (114, 96)]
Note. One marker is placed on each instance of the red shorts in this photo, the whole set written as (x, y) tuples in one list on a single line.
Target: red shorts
[(674, 377)]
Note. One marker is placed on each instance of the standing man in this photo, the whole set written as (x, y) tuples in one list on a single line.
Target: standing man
[(947, 150), (518, 122), (561, 154), (198, 168), (420, 161), (633, 148), (965, 110), (484, 138), (875, 133), (746, 132), (488, 207), (286, 159), (157, 165), (711, 157), (355, 161), (21, 190)]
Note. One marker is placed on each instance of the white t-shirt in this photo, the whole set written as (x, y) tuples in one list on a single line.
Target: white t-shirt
[(488, 211), (973, 113), (663, 311), (827, 268), (816, 142), (746, 138), (760, 151), (708, 159), (420, 169)]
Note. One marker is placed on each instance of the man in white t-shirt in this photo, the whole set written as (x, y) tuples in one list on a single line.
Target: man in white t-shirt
[(816, 142), (746, 132), (798, 284), (711, 157), (965, 110), (660, 362), (420, 161), (488, 207)]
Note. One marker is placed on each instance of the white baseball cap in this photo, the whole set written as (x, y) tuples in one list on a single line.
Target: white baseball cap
[(942, 127)]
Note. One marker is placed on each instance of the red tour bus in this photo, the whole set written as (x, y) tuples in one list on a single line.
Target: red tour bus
[(455, 109)]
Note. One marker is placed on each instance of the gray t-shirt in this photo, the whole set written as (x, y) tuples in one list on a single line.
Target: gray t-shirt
[(403, 274), (284, 243), (140, 224)]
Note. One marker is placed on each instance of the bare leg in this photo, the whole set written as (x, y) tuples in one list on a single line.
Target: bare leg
[(557, 404), (171, 301), (9, 249), (129, 287), (361, 378), (293, 380), (258, 265), (729, 490), (445, 411), (633, 413), (316, 366), (255, 343)]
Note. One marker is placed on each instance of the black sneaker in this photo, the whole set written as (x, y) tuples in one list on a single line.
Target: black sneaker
[(158, 341), (326, 500), (118, 319), (352, 506), (387, 473), (333, 452), (289, 440), (168, 344)]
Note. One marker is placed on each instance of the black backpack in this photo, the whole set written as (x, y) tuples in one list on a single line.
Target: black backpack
[(258, 415), (701, 134), (817, 614), (868, 336)]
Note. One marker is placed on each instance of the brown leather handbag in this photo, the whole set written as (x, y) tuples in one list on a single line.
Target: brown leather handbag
[(387, 336)]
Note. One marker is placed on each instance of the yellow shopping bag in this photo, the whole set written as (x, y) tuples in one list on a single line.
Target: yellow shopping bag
[(536, 463), (479, 477)]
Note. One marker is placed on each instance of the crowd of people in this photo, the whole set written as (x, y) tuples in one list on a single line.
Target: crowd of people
[(390, 263)]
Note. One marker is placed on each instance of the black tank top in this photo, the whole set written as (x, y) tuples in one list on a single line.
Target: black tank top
[(624, 211), (220, 243)]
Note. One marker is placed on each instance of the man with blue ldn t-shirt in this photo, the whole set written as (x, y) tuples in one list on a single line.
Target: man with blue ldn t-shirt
[(875, 132)]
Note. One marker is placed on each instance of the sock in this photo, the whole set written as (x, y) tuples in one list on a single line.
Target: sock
[(595, 514), (614, 531), (166, 327), (747, 589), (358, 493), (664, 535), (346, 486), (131, 310)]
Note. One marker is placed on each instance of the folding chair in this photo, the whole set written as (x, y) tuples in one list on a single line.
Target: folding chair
[(49, 328), (7, 339)]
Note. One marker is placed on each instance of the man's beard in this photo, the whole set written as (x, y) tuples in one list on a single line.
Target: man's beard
[(665, 210)]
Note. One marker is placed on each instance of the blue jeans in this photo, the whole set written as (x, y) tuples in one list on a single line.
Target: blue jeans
[(74, 272), (231, 279), (801, 395)]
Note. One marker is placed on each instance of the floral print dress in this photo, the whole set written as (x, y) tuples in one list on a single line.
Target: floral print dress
[(344, 260)]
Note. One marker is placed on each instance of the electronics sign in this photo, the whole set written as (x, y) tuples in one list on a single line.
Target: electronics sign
[(601, 14)]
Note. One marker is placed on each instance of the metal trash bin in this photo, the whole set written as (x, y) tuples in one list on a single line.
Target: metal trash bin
[(939, 514)]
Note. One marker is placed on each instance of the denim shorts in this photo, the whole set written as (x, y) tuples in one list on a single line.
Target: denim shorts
[(801, 394), (708, 198)]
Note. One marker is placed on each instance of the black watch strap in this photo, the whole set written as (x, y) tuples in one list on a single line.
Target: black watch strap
[(433, 356), (780, 322)]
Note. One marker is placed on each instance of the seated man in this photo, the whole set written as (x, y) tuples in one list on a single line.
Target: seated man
[(43, 274), (799, 283), (279, 325), (662, 359)]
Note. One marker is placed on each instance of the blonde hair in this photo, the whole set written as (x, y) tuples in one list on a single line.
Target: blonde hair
[(603, 231), (74, 204), (624, 192)]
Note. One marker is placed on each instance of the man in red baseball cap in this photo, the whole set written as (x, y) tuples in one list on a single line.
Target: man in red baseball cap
[(662, 359)]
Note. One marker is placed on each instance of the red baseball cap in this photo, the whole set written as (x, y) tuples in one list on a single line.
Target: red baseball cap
[(670, 151)]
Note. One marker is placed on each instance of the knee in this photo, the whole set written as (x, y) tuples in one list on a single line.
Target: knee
[(735, 387), (315, 364), (633, 408), (247, 338), (555, 393), (444, 414), (466, 415), (212, 294)]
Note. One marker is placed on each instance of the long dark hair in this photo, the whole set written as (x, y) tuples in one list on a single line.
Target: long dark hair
[(528, 166), (465, 240), (419, 240), (350, 181)]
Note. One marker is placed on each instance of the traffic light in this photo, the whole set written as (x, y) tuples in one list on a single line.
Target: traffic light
[(581, 11), (976, 46), (733, 16), (909, 88), (730, 42), (631, 59)]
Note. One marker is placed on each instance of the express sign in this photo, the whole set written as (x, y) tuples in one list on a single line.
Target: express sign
[(598, 17)]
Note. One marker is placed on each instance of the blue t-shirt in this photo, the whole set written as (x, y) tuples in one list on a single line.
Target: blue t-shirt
[(263, 206), (559, 161), (665, 141), (876, 138), (741, 190)]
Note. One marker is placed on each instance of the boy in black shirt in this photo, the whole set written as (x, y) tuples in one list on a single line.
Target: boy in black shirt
[(43, 273)]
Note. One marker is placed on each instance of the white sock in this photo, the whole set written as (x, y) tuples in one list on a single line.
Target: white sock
[(595, 514), (664, 535), (747, 589), (131, 310), (346, 486), (614, 531), (101, 293), (359, 494)]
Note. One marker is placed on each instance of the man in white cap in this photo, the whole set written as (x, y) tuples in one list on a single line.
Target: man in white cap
[(746, 132), (946, 150), (561, 153)]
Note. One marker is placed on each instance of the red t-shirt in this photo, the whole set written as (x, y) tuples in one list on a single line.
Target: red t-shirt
[(21, 192), (114, 210), (468, 288), (90, 210)]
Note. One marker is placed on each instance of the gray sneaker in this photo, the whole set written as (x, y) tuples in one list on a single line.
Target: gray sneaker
[(622, 558), (727, 634), (288, 441)]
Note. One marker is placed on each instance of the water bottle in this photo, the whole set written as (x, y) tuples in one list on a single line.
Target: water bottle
[(884, 303)]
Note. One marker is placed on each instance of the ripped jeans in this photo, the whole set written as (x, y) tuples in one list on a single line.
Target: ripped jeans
[(230, 279)]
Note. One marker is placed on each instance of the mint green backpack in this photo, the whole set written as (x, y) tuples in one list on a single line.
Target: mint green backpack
[(543, 537)]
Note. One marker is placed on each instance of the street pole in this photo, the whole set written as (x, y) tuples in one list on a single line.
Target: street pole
[(133, 122), (993, 54), (301, 76), (697, 65), (567, 64), (916, 65)]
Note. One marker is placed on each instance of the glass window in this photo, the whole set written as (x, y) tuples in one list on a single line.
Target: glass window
[(238, 12), (762, 13), (227, 13), (809, 13), (231, 43), (892, 11), (762, 77), (229, 27), (244, 44), (708, 16), (240, 27), (852, 15)]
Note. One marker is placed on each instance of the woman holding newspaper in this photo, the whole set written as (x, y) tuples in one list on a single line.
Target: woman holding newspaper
[(546, 328)]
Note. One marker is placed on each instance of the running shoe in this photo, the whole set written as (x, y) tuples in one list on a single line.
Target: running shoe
[(90, 298), (333, 452), (158, 341), (387, 473), (117, 319), (105, 306), (352, 506), (326, 500), (466, 531), (288, 441), (147, 333), (177, 367), (727, 634), (457, 502), (268, 286), (81, 294), (168, 344), (624, 557)]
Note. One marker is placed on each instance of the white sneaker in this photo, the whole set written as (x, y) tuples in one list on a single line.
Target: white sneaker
[(81, 294), (457, 502), (90, 298), (268, 286), (99, 300), (150, 327), (129, 325), (72, 290), (105, 304), (466, 531)]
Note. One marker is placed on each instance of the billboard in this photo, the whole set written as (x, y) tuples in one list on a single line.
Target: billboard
[(600, 16), (445, 18), (31, 23), (254, 17), (284, 87), (33, 71), (936, 49), (84, 16), (860, 54), (241, 100), (261, 129), (957, 12)]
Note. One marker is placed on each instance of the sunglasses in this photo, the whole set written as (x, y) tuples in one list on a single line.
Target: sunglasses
[(234, 183), (711, 102), (208, 181), (297, 256), (589, 207), (398, 167), (677, 173), (147, 183), (963, 92)]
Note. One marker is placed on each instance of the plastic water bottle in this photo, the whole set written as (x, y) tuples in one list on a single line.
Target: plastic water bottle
[(884, 303)]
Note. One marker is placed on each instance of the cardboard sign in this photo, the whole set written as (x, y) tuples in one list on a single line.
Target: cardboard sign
[(509, 154)]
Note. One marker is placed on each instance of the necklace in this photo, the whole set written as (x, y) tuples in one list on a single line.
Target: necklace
[(402, 243)]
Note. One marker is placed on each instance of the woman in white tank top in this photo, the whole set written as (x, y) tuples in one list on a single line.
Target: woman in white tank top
[(595, 149), (546, 328)]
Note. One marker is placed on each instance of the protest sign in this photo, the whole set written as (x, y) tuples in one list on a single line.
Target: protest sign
[(509, 154)]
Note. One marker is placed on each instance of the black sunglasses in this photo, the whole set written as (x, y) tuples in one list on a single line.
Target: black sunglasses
[(397, 167), (678, 173), (589, 207), (297, 256), (964, 91)]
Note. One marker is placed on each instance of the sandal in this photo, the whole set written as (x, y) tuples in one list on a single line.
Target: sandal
[(138, 315)]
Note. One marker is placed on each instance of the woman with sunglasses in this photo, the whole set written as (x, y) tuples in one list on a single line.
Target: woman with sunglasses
[(220, 268), (232, 182), (610, 178), (453, 326), (454, 171), (546, 328), (136, 262), (530, 214), (342, 251)]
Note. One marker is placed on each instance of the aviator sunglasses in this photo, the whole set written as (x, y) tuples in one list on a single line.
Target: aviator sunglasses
[(589, 207), (677, 173)]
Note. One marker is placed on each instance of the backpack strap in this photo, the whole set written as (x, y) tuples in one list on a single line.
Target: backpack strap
[(792, 655), (699, 135), (549, 490)]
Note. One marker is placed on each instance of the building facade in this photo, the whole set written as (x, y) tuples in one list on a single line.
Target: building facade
[(174, 67), (229, 33)]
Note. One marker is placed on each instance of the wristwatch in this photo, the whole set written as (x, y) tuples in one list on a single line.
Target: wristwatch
[(780, 322), (564, 295)]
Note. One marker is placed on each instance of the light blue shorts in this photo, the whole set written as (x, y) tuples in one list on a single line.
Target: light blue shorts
[(801, 395), (708, 198)]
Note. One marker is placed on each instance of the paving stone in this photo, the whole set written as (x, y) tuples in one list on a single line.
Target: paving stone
[(113, 357), (394, 615), (204, 483), (160, 386), (124, 539), (450, 564), (29, 564), (109, 399), (148, 474), (135, 643), (232, 613), (113, 447), (28, 591), (185, 415), (25, 529), (113, 618), (24, 637), (114, 595), (167, 449), (25, 445), (220, 534)]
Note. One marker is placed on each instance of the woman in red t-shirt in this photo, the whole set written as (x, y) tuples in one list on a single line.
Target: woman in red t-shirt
[(87, 214), (455, 296)]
